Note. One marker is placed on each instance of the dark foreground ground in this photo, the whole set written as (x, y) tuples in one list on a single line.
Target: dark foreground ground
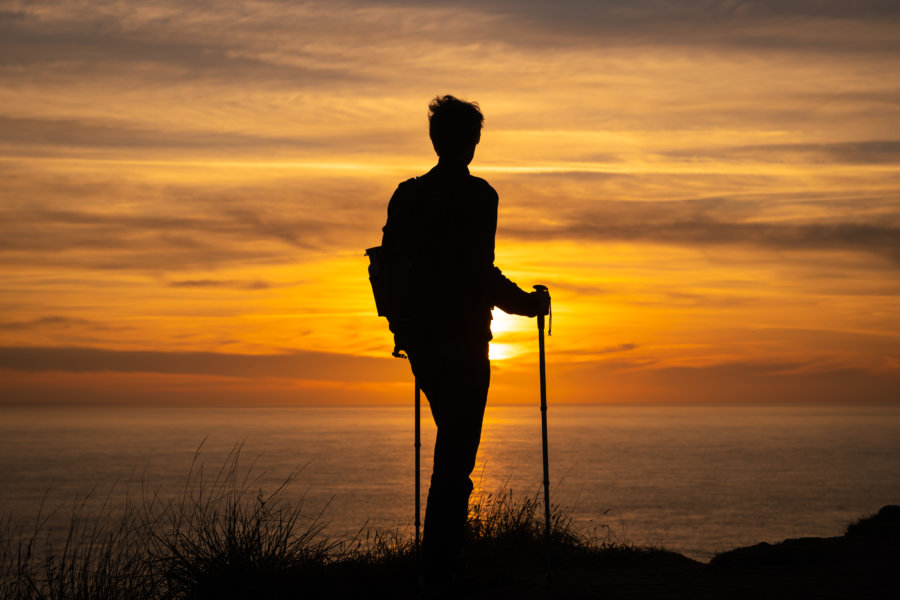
[(228, 548), (862, 564)]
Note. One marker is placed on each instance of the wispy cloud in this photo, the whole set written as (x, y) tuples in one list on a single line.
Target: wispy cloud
[(24, 133), (865, 152), (213, 283), (877, 239), (718, 221), (318, 366), (50, 321), (125, 240), (686, 176)]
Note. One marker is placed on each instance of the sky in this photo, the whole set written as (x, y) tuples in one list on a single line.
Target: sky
[(710, 190)]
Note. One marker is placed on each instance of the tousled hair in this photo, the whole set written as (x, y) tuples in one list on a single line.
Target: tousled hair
[(453, 124)]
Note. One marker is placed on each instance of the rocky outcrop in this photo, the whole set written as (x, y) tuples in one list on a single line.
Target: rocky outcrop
[(864, 563)]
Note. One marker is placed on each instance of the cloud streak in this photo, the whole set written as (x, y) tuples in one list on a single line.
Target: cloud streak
[(318, 366), (705, 223), (71, 133), (54, 321), (684, 175), (140, 241), (864, 152), (212, 283)]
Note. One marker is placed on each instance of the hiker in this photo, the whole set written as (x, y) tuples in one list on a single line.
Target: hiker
[(439, 239)]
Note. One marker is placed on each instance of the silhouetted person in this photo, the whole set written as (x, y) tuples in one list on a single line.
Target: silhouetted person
[(439, 239)]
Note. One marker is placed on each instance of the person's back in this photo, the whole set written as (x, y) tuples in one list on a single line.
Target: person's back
[(449, 219), (439, 241)]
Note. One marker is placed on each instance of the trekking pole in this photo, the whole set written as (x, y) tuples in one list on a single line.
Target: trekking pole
[(418, 445), (543, 368)]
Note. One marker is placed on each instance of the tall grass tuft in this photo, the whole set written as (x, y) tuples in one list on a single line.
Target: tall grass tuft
[(218, 539), (501, 518), (223, 537), (103, 558)]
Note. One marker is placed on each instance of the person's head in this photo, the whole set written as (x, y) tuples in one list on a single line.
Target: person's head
[(455, 128)]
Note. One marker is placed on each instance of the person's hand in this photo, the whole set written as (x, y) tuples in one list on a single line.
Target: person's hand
[(541, 302), (402, 330)]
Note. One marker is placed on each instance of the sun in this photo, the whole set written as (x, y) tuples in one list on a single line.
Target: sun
[(504, 327)]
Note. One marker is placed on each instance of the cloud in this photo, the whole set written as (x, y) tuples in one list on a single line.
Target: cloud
[(865, 152), (179, 47), (315, 44), (712, 222), (213, 283), (53, 321), (708, 11), (173, 152), (198, 142), (317, 366), (796, 25), (19, 132), (620, 377), (109, 240), (753, 382), (110, 217), (578, 288), (617, 349)]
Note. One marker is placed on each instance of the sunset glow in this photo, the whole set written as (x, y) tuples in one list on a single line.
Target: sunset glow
[(711, 194)]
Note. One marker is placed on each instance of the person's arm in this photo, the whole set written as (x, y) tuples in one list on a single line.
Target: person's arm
[(503, 293), (512, 299)]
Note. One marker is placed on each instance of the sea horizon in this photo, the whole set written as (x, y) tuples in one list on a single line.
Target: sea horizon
[(694, 479)]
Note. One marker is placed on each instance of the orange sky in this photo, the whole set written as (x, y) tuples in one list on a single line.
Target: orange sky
[(710, 193)]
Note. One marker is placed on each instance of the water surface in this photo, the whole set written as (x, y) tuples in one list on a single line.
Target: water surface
[(693, 479)]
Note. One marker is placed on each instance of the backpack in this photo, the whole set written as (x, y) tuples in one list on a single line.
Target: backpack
[(391, 275), (378, 279)]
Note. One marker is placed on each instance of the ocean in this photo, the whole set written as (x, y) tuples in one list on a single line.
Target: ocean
[(693, 479)]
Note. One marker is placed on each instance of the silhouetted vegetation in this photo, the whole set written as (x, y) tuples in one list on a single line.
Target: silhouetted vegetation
[(226, 539)]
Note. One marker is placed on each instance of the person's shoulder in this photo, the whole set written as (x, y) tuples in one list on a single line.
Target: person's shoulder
[(403, 197), (484, 188), (407, 188), (408, 185)]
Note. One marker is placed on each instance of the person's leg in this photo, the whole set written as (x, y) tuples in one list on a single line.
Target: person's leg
[(457, 394)]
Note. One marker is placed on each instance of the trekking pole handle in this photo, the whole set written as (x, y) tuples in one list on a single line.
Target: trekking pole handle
[(542, 289)]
